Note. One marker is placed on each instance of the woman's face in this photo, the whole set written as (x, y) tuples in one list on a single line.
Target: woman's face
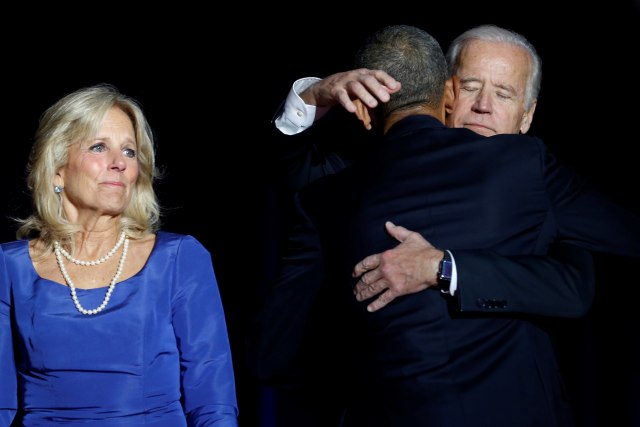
[(101, 172)]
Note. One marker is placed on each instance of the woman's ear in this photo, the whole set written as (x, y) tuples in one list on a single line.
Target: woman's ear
[(58, 179)]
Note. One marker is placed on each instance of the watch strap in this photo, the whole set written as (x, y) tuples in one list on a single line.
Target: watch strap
[(445, 270)]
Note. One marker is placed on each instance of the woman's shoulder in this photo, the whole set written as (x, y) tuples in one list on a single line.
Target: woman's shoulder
[(14, 246), (16, 254), (168, 238)]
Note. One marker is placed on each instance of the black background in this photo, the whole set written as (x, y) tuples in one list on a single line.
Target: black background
[(210, 82)]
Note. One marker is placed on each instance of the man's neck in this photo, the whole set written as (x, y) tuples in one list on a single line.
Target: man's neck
[(398, 115)]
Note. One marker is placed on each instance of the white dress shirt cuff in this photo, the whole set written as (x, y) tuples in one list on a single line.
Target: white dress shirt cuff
[(454, 276), (296, 116)]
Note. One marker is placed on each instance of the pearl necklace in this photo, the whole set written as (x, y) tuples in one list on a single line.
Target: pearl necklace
[(58, 251), (109, 254)]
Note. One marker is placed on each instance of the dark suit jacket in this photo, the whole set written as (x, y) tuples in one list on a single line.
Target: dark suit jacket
[(560, 285), (421, 360)]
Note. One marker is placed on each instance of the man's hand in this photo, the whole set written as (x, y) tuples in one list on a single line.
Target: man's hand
[(410, 267), (369, 86)]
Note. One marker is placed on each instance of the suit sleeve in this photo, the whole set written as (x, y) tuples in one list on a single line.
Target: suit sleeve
[(8, 379), (279, 330), (560, 284), (302, 158), (585, 215), (199, 322)]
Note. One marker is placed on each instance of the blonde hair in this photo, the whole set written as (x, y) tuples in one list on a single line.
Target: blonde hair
[(73, 119)]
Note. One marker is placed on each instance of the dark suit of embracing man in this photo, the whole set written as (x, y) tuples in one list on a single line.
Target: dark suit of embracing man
[(424, 360)]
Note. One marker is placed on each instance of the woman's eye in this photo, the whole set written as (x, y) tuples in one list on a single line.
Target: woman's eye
[(97, 148), (129, 152)]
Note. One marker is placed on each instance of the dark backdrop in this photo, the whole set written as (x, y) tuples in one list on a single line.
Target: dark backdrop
[(209, 83)]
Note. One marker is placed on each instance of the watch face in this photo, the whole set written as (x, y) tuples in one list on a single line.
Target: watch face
[(446, 267)]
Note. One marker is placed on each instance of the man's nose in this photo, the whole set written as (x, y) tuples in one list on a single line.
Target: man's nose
[(482, 102)]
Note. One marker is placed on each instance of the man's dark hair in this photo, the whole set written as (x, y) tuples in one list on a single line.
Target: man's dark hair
[(411, 56)]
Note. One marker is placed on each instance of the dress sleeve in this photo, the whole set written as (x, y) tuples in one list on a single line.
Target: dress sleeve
[(207, 377), (8, 384)]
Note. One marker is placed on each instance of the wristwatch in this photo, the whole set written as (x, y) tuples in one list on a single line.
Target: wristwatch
[(444, 273)]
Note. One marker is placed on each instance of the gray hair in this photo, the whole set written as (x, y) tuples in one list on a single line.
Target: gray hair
[(493, 33)]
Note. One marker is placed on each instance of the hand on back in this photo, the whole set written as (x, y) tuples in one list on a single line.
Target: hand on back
[(408, 268)]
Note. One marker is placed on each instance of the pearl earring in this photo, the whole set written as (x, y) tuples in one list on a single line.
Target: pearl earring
[(57, 189)]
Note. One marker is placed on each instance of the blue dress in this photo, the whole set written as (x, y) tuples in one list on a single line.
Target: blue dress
[(158, 355)]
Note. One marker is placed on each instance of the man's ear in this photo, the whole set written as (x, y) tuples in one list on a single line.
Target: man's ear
[(449, 96), (527, 118), (362, 113)]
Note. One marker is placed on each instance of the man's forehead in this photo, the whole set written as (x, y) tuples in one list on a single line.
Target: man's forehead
[(501, 64)]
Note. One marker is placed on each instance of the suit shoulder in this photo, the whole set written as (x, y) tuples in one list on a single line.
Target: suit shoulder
[(517, 143), (509, 137), (526, 140)]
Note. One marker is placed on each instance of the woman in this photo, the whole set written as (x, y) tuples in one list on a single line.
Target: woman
[(104, 319)]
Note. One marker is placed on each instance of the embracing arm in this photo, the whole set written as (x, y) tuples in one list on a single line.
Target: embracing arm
[(560, 284), (282, 323), (207, 376), (304, 152), (585, 215), (8, 384), (310, 98)]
